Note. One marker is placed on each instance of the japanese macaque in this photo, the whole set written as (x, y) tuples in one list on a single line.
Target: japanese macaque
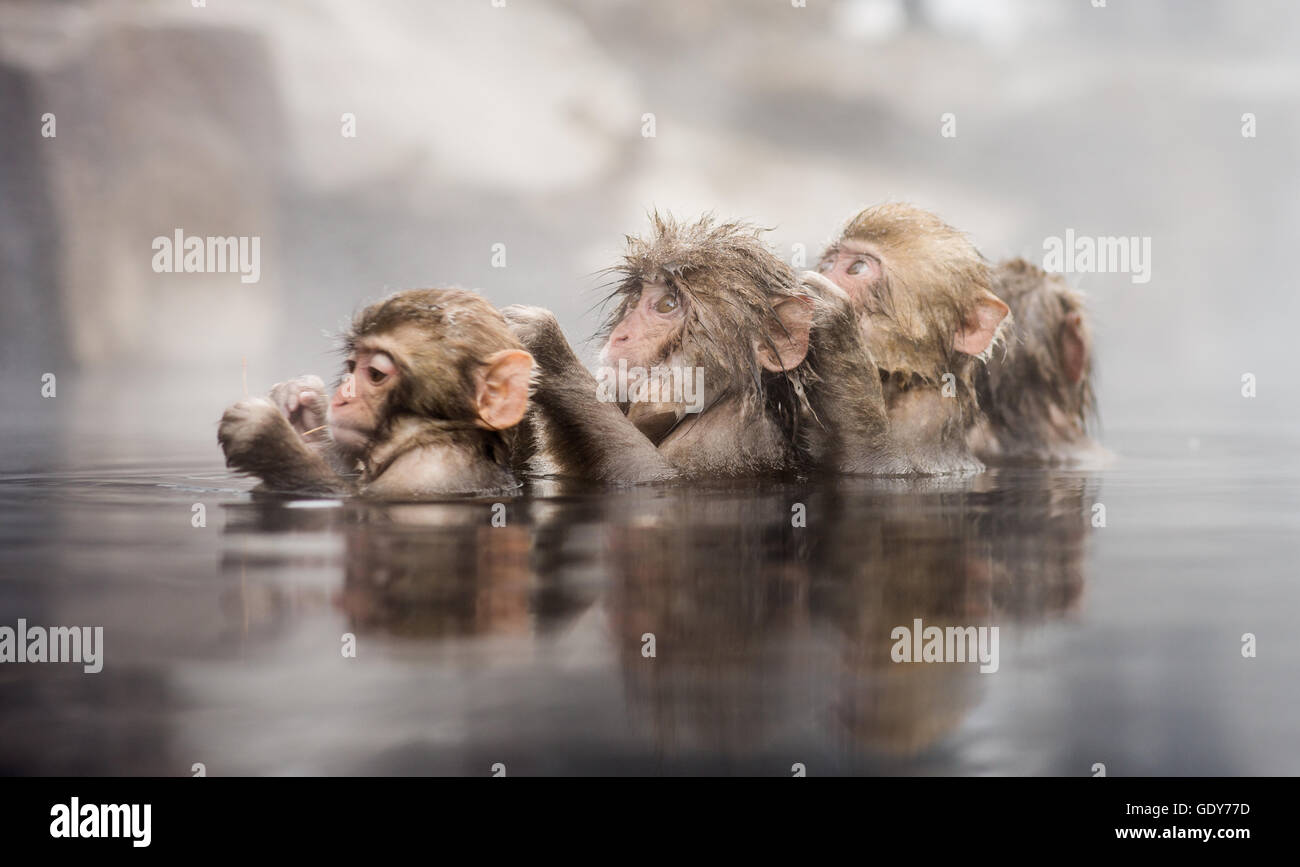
[(1037, 396), (434, 383), (929, 317), (712, 352)]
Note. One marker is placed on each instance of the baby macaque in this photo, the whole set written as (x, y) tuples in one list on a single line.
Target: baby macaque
[(435, 382), (925, 304), (1036, 397), (716, 335)]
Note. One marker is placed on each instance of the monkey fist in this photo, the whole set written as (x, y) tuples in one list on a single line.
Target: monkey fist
[(248, 428)]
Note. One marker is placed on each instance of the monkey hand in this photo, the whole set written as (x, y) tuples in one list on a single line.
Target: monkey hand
[(829, 293), (302, 400), (537, 329), (258, 440), (247, 431)]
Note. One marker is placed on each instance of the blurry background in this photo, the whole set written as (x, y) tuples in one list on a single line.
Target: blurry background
[(522, 126)]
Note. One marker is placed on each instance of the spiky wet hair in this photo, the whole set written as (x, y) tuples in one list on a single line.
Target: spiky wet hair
[(921, 306), (731, 282), (730, 278), (438, 338)]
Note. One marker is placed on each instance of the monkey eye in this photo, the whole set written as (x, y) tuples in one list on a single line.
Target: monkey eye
[(826, 265), (379, 367), (860, 266), (668, 303)]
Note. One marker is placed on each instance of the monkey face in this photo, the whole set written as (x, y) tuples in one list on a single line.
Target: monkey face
[(359, 403), (859, 268), (915, 306), (646, 333), (386, 370), (854, 267)]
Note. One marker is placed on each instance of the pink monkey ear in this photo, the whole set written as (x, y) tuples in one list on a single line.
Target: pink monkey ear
[(981, 324), (502, 394), (787, 337), (1074, 348)]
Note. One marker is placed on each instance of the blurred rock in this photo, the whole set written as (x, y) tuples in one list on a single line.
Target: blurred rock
[(158, 128), (31, 328), (227, 121)]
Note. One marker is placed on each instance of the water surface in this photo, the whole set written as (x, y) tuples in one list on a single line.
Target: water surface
[(525, 644)]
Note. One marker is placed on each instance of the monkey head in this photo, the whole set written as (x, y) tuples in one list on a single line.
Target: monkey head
[(433, 354), (1054, 336), (707, 297), (924, 291), (1038, 395)]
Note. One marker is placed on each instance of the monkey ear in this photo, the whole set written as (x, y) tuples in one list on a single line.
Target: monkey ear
[(502, 393), (981, 326), (1074, 348), (787, 337)]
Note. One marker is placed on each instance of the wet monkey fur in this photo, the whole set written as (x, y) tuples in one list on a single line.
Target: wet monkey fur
[(897, 357), (1036, 396), (434, 385), (705, 299)]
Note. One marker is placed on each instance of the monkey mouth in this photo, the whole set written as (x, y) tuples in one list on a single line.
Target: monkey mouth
[(610, 356)]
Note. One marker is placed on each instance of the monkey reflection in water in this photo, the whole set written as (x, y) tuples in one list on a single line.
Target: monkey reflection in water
[(733, 633), (796, 631)]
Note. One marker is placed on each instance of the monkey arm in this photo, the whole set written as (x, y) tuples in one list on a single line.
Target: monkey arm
[(850, 431), (258, 440), (585, 436), (590, 438)]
